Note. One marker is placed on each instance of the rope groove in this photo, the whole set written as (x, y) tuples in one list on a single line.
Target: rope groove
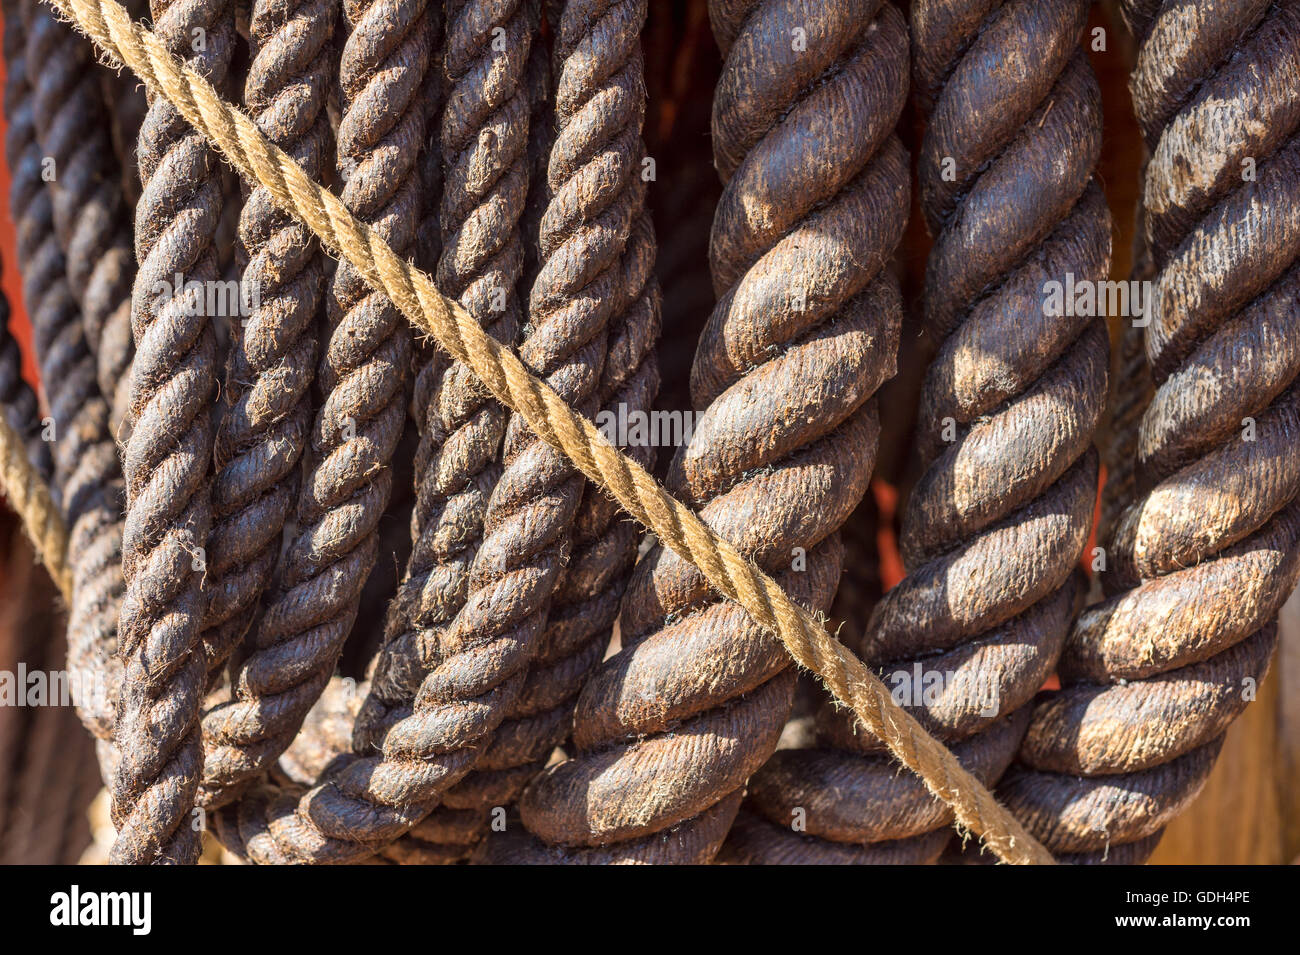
[(503, 374)]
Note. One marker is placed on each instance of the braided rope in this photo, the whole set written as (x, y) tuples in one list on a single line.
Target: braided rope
[(265, 429), (1209, 548), (504, 375), (166, 460)]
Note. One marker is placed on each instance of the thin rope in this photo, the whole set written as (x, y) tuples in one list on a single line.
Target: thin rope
[(975, 808), (29, 497)]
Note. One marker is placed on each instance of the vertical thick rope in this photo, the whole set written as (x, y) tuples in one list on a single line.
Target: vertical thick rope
[(1153, 676), (593, 285), (992, 531), (167, 459), (363, 373), (91, 219), (19, 403), (87, 475), (667, 731)]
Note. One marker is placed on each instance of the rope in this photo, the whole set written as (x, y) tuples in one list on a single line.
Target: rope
[(504, 375), (29, 498), (994, 528), (1209, 545)]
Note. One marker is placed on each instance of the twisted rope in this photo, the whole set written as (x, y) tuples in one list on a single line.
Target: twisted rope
[(87, 474), (461, 561), (21, 408), (806, 330), (363, 373), (1210, 547), (29, 497), (993, 529), (265, 428), (91, 219), (166, 460), (593, 284), (504, 375)]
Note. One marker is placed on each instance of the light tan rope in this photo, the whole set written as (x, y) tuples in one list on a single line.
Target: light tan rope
[(29, 497), (975, 808)]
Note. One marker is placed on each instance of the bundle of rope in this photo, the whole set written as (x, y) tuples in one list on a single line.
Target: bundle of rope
[(1210, 547), (363, 801), (593, 312), (42, 125), (992, 531), (809, 317)]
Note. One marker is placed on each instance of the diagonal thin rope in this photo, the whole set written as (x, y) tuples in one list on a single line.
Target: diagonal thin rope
[(975, 808), (29, 497)]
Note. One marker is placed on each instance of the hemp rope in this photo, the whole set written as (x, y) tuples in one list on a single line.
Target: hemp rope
[(264, 431), (993, 529), (167, 460), (87, 477), (20, 406), (806, 329), (504, 375), (457, 557), (29, 497), (1209, 548), (597, 253), (363, 373)]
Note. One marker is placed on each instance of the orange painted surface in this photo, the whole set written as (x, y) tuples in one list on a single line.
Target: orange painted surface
[(18, 323)]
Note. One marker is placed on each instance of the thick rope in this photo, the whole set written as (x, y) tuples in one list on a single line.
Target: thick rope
[(995, 526), (505, 376), (167, 459), (266, 427), (597, 251), (1209, 546)]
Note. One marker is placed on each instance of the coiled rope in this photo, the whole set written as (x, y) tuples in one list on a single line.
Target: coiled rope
[(1210, 548), (504, 375)]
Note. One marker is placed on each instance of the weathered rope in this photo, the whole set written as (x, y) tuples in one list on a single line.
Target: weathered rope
[(1210, 548), (594, 299), (266, 426), (167, 459), (996, 524), (504, 375), (90, 217), (805, 331), (29, 497), (87, 473), (461, 547)]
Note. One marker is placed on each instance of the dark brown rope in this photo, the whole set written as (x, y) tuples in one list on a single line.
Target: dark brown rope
[(363, 373), (167, 461), (667, 731), (268, 416), (594, 279), (87, 474), (92, 220), (992, 531), (1210, 547)]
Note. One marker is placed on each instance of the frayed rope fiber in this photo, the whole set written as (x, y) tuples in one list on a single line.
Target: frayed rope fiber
[(110, 26)]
